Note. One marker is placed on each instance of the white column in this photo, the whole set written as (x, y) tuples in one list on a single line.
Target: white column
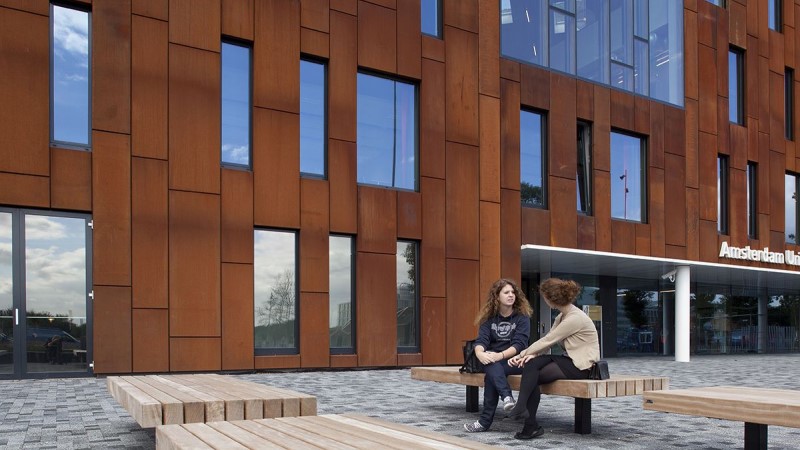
[(682, 313)]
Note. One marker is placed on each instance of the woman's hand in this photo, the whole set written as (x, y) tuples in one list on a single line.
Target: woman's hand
[(519, 360), (488, 357)]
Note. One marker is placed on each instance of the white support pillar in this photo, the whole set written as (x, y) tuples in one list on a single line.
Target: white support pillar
[(682, 313)]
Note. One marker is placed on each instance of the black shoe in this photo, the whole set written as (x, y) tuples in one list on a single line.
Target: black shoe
[(525, 436)]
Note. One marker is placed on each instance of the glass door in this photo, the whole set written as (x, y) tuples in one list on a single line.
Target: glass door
[(7, 310)]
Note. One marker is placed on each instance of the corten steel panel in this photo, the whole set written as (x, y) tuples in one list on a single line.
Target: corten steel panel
[(562, 195), (432, 247), (737, 24), (789, 45), (777, 191), (510, 233), (642, 231), (562, 129), (777, 241), (344, 361), (111, 66), (345, 6), (776, 52), (111, 208), (655, 140), (739, 146), (463, 301), (34, 6), (737, 205), (432, 119), (190, 354), (461, 86), (70, 179), (490, 149), (316, 43), (489, 48), (490, 243), (24, 190), (623, 112), (237, 316), (343, 188), (276, 168), (510, 70), (509, 134), (409, 215), (377, 37), (776, 126), (377, 220), (534, 87), (462, 14), (789, 14), (708, 241), (111, 319), (342, 75), (692, 219), (585, 232), (602, 209), (194, 119), (237, 216), (391, 4), (276, 49), (237, 18), (674, 200), (692, 146), (642, 115), (584, 101), (194, 264), (195, 23), (675, 252), (690, 61), (535, 226), (623, 236), (764, 176), (24, 93), (656, 217), (150, 340), (314, 237), (409, 359), (277, 362), (601, 129), (149, 87), (314, 14), (462, 206), (764, 91), (706, 24), (752, 139), (722, 55), (149, 233), (675, 139), (157, 9), (708, 176), (376, 303), (409, 39), (432, 48), (314, 330)]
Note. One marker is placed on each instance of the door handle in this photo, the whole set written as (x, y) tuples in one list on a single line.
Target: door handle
[(16, 316)]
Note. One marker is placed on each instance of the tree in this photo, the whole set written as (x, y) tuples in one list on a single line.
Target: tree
[(530, 194), (410, 253), (280, 306)]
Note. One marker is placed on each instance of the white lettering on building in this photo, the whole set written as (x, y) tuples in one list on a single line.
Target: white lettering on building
[(760, 255)]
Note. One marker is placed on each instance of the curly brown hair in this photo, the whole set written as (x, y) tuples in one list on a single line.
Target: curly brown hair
[(560, 292), (492, 306)]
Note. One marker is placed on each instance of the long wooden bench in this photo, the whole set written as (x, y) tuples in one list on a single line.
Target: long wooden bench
[(582, 390), (174, 399), (344, 431), (756, 407)]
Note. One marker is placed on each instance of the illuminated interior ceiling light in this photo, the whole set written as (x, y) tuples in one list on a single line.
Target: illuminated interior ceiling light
[(527, 16)]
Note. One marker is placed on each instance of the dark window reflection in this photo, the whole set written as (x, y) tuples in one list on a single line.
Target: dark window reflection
[(407, 315), (275, 291), (639, 317), (532, 159), (584, 173), (340, 254)]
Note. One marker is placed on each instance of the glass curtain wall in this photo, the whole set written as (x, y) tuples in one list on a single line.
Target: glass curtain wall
[(639, 317)]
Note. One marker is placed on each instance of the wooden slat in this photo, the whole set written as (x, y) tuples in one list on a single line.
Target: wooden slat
[(197, 406), (461, 443), (256, 427), (176, 437), (234, 404), (345, 435), (145, 409), (242, 436), (212, 437), (279, 425), (171, 408)]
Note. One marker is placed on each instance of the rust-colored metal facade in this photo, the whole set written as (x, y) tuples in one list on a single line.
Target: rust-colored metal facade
[(173, 231)]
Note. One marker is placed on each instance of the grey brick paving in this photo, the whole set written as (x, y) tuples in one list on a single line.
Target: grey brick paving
[(79, 413)]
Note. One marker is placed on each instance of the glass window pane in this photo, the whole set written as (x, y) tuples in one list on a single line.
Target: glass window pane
[(734, 86), (6, 297), (622, 77), (523, 30), (407, 294), (566, 5), (531, 159), (341, 291), (641, 18), (431, 19), (627, 178), (774, 13), (622, 31), (70, 76), (722, 194), (584, 174), (592, 30), (666, 51), (312, 118), (790, 206), (752, 212), (788, 103), (562, 42), (275, 289), (235, 104), (641, 76)]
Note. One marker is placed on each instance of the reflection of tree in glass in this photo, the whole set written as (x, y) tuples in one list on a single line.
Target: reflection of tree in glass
[(635, 303), (530, 194), (410, 253), (280, 306)]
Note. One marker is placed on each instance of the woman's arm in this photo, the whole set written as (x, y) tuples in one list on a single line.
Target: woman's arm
[(562, 328)]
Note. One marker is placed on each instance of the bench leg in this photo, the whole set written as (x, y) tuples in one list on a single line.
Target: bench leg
[(755, 436), (472, 398), (583, 415)]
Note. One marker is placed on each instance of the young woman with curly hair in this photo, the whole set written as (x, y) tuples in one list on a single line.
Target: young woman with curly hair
[(505, 329), (577, 334)]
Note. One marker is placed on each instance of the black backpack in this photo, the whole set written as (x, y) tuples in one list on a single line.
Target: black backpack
[(471, 362)]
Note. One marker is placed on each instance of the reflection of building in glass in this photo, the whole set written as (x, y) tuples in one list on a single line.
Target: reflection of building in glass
[(344, 314)]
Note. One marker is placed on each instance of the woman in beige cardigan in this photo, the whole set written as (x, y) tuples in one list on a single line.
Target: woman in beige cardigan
[(576, 333)]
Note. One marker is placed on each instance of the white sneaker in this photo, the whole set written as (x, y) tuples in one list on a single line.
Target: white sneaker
[(508, 403), (474, 427)]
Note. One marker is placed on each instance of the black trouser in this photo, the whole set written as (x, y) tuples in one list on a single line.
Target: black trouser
[(542, 370)]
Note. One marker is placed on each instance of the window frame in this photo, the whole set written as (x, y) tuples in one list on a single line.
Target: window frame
[(585, 168), (270, 351), (739, 87), (776, 8), (543, 160), (226, 40), (788, 103), (324, 64), (752, 199), (415, 348), (643, 151), (723, 194), (353, 329), (796, 240), (439, 28)]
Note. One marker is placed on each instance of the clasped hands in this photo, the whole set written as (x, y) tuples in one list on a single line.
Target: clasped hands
[(519, 360), (489, 357)]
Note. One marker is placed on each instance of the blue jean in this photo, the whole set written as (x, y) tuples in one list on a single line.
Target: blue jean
[(495, 387)]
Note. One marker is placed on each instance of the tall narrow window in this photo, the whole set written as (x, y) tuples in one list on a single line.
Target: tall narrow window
[(431, 15), (717, 2), (788, 103), (562, 35), (736, 85), (407, 300), (775, 18), (628, 178), (236, 118), (790, 206), (341, 314), (386, 132), (584, 175), (752, 200), (532, 160), (70, 78), (313, 134), (275, 292), (722, 193)]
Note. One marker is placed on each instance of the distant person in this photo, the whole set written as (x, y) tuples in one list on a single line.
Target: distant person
[(54, 347), (505, 329), (577, 334)]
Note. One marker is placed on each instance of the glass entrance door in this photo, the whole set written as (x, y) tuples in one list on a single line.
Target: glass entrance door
[(7, 310)]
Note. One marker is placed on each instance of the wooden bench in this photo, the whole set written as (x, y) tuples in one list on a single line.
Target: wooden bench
[(308, 432), (582, 390), (756, 407), (174, 399)]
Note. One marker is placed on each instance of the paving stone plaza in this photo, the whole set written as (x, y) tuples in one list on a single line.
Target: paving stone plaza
[(80, 413)]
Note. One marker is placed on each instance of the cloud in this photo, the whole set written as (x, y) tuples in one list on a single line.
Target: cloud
[(44, 228), (236, 154), (56, 280), (71, 31)]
